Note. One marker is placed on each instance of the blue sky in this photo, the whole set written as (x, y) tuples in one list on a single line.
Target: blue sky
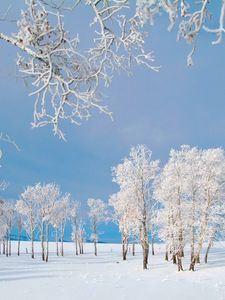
[(179, 105)]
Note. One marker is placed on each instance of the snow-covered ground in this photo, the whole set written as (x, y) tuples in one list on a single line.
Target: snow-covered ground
[(107, 277)]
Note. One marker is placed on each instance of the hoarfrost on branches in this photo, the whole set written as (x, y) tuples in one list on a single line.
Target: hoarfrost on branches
[(192, 17), (66, 80)]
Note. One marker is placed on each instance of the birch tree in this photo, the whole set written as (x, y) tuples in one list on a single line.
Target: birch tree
[(191, 190), (97, 214), (27, 206), (75, 223), (51, 195), (125, 216), (63, 218), (137, 174)]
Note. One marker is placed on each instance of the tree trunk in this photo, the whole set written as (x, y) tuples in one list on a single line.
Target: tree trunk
[(145, 244), (124, 247), (145, 255), (95, 246), (7, 243), (179, 262), (152, 244), (192, 264), (166, 256), (95, 236), (57, 241), (10, 246), (32, 245), (207, 252), (47, 243), (174, 259), (61, 239), (3, 250), (82, 246), (42, 241), (76, 242), (18, 245), (133, 248)]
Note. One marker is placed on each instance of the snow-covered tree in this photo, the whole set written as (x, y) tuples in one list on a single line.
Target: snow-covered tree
[(191, 190), (136, 175), (81, 236), (212, 195), (9, 214), (64, 206), (27, 206), (97, 214), (56, 222), (78, 236), (19, 225), (125, 216), (49, 196), (74, 210)]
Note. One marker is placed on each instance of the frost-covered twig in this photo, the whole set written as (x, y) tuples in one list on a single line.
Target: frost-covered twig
[(192, 18), (67, 82)]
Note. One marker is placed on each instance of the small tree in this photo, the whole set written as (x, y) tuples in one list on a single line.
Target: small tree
[(28, 208), (74, 218), (97, 214)]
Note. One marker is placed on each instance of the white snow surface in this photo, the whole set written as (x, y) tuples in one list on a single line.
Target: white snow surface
[(107, 277)]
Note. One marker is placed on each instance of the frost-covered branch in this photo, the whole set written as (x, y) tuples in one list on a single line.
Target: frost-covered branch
[(192, 17), (67, 82)]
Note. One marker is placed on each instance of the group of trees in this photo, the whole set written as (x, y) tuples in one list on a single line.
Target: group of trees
[(40, 208), (191, 189), (43, 209), (184, 202)]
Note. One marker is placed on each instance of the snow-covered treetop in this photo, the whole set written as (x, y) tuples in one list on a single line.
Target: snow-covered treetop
[(97, 210)]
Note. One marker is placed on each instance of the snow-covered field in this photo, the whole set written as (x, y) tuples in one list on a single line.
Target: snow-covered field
[(107, 277)]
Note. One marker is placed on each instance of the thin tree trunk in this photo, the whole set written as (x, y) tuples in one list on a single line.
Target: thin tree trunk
[(76, 242), (7, 243), (47, 243), (10, 246), (42, 241), (145, 244), (145, 247), (18, 244), (61, 239), (133, 248), (207, 252), (95, 236), (179, 262), (124, 247), (82, 246), (95, 247), (32, 245), (57, 241), (152, 244), (174, 259), (3, 250), (166, 256)]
